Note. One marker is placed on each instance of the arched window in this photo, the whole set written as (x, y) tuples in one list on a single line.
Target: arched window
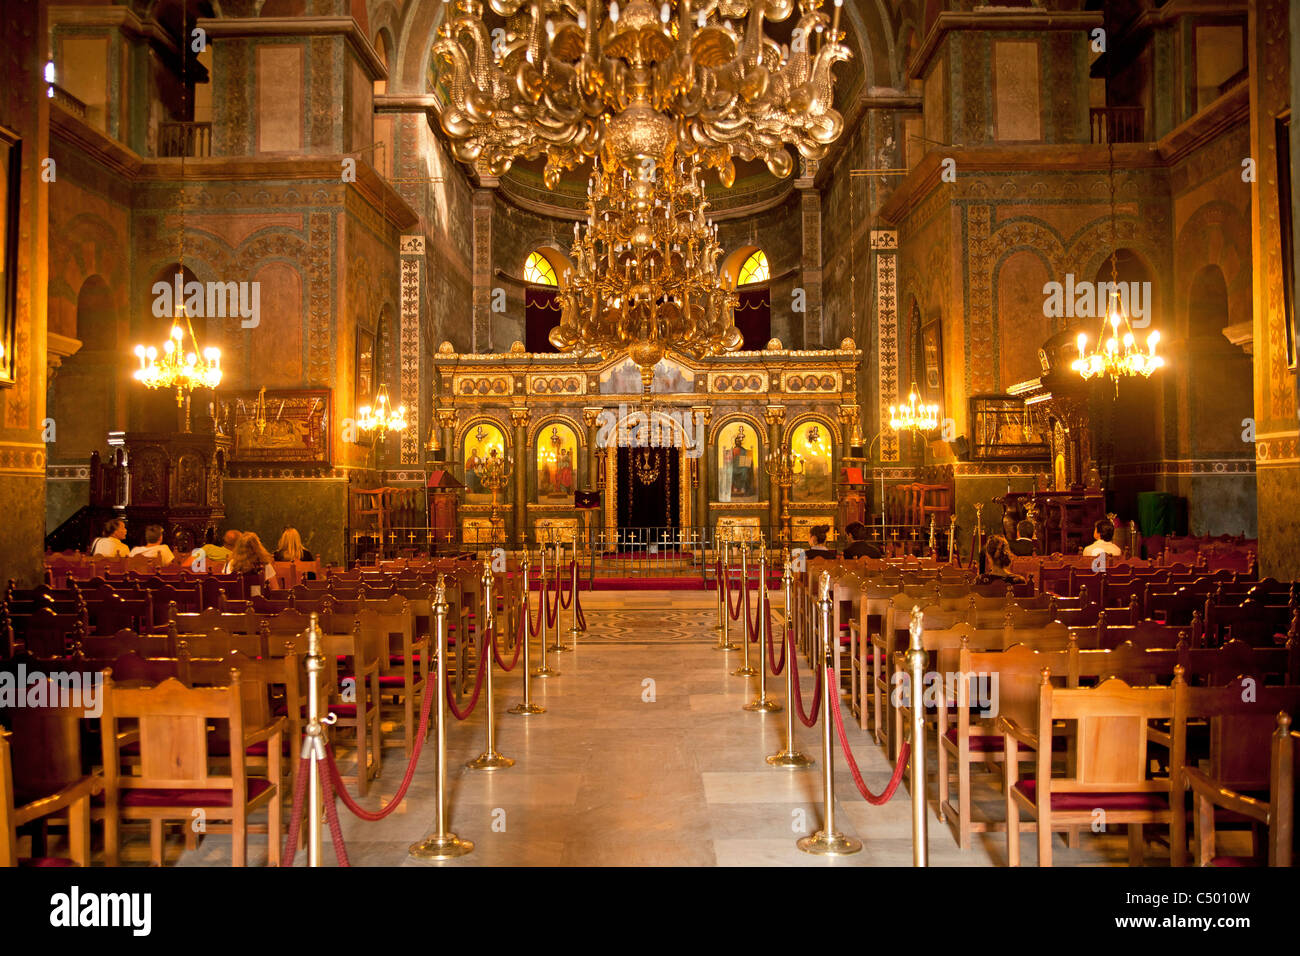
[(539, 271), (754, 269)]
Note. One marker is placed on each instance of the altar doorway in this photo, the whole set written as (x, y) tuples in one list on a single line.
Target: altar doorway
[(648, 483), (649, 480)]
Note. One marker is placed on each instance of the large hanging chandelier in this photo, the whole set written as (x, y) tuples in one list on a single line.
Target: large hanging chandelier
[(178, 366), (1117, 354), (915, 415), (567, 79), (382, 418), (645, 273)]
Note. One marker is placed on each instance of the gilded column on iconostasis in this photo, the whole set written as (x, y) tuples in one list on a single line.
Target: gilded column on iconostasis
[(519, 419), (700, 472), (774, 415), (591, 418), (447, 422)]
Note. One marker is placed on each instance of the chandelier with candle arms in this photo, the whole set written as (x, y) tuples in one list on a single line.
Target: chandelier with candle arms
[(568, 79)]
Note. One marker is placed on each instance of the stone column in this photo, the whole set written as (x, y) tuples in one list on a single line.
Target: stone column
[(774, 415), (519, 419), (810, 273), (412, 258), (447, 422), (703, 413), (596, 517), (484, 202)]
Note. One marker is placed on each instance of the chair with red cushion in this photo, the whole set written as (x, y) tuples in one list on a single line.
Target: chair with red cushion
[(175, 774)]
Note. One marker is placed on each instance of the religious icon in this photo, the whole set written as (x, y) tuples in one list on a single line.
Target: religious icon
[(813, 447), (479, 444), (737, 459), (555, 457)]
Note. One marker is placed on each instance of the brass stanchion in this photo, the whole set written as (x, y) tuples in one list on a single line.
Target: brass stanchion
[(574, 630), (789, 757), (763, 704), (722, 611), (526, 707), (545, 671), (489, 759), (827, 841), (724, 639), (313, 744), (917, 659), (558, 646), (443, 844), (744, 670)]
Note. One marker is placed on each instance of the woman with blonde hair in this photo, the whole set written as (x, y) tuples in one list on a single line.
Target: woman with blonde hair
[(290, 547), (249, 557)]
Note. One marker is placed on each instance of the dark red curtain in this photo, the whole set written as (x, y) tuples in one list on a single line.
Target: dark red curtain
[(541, 314), (754, 318)]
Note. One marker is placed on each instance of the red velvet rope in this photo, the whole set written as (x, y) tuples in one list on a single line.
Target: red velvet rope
[(740, 597), (771, 654), (903, 755), (576, 600), (798, 695), (533, 628), (295, 814), (519, 645), (376, 815), (752, 618), (552, 607), (332, 818), (473, 701), (573, 587)]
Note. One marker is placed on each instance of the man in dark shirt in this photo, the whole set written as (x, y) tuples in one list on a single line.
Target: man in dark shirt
[(859, 546), (1024, 543)]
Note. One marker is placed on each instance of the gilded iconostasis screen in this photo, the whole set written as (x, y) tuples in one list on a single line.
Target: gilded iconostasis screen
[(737, 463), (812, 444), (480, 441), (557, 458)]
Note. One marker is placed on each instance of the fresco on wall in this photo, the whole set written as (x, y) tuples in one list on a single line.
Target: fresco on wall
[(669, 379), (557, 456), (737, 463), (480, 442), (812, 444)]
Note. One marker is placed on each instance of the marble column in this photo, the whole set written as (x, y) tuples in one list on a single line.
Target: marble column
[(519, 419), (484, 202), (447, 422), (705, 414), (810, 271), (596, 517), (774, 415)]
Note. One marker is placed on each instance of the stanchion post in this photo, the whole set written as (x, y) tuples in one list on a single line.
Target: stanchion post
[(573, 600), (313, 745), (724, 639), (827, 841), (545, 671), (489, 759), (442, 844), (763, 704), (788, 756), (558, 646), (916, 660), (745, 669), (526, 707), (722, 611)]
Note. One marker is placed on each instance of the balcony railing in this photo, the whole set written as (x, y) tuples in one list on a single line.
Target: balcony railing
[(1118, 124), (68, 102), (184, 139)]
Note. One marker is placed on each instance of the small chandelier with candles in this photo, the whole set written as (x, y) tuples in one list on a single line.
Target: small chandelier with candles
[(382, 417), (915, 415)]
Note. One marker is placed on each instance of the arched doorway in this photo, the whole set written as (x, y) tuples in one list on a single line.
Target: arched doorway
[(646, 495)]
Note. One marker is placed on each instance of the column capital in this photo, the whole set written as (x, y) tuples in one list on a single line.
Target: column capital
[(704, 412), (519, 417), (848, 414), (591, 415), (446, 417), (774, 414)]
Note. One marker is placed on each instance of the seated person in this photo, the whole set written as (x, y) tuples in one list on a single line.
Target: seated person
[(112, 543), (1102, 532), (997, 558), (153, 546), (859, 546), (290, 547), (1024, 543), (249, 557), (817, 541)]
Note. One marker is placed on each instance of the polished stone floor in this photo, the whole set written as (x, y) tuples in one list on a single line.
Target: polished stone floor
[(645, 757)]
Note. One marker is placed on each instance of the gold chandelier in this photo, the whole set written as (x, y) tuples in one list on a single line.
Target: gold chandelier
[(645, 273), (1117, 354), (567, 78), (915, 415), (382, 417)]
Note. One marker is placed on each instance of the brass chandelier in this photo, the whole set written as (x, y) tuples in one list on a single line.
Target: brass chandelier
[(568, 79), (645, 273)]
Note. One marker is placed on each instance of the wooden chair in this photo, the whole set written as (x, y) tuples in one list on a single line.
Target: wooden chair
[(1108, 772), (41, 775), (207, 620), (217, 643), (174, 776), (146, 645)]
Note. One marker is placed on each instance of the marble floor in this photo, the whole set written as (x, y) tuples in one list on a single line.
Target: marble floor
[(645, 757)]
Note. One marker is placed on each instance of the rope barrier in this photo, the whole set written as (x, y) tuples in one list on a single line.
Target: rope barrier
[(798, 695), (473, 701), (576, 598), (541, 609), (332, 818), (895, 779), (295, 814), (519, 646), (771, 654), (752, 618), (740, 597), (552, 607)]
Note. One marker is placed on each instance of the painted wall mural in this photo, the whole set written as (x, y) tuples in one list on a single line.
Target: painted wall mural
[(812, 443), (480, 442), (737, 452), (557, 456)]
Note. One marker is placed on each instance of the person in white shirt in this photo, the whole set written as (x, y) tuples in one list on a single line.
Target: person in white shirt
[(1102, 532), (153, 546), (250, 556), (111, 544)]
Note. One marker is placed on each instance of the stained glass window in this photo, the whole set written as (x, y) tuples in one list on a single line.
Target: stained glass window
[(539, 271), (754, 269)]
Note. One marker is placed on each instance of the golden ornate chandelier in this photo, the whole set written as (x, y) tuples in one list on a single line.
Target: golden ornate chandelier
[(1117, 354), (382, 418), (914, 415), (645, 273), (567, 78)]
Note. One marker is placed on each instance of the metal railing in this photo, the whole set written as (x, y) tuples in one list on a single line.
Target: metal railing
[(184, 139), (1117, 124)]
